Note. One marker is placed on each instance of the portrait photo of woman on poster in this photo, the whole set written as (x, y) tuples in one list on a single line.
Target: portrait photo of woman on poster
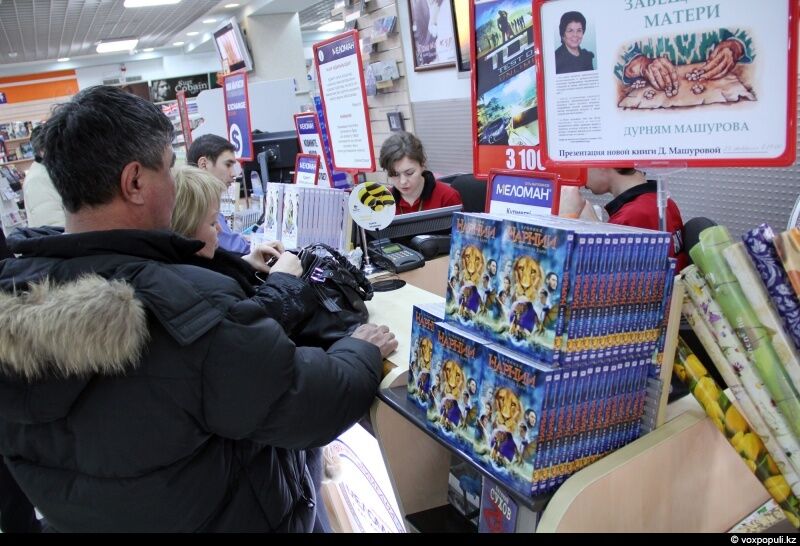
[(432, 34), (570, 56)]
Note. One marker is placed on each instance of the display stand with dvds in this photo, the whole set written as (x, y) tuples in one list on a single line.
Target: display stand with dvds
[(658, 482), (10, 215)]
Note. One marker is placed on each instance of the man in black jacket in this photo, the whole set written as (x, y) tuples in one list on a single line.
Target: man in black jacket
[(16, 511), (138, 393)]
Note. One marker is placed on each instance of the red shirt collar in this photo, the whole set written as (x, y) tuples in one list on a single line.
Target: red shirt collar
[(427, 191)]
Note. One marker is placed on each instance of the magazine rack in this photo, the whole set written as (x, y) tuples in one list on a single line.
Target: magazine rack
[(683, 476)]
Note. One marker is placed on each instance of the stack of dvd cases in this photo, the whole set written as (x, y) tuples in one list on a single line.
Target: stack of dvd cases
[(538, 362), (562, 292), (530, 425), (302, 215)]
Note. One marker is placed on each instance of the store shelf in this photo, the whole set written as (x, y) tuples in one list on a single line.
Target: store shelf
[(20, 139), (443, 519), (397, 399), (16, 161), (15, 224)]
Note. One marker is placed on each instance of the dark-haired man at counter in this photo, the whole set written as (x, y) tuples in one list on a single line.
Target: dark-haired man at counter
[(216, 155), (142, 394)]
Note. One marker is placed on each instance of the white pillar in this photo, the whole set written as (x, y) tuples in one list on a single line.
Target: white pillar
[(277, 47)]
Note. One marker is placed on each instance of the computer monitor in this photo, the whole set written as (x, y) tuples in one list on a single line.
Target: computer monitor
[(275, 155), (404, 227)]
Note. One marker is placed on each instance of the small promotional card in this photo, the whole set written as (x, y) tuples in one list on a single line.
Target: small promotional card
[(306, 169)]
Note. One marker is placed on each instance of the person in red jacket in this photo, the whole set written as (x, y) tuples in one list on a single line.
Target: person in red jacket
[(414, 188), (634, 204)]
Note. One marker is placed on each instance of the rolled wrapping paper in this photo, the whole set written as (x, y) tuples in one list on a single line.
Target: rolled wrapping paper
[(760, 245), (787, 466), (754, 291), (731, 423), (707, 254), (788, 246)]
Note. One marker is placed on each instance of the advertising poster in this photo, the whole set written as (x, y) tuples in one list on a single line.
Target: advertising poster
[(689, 83), (372, 206), (186, 127), (306, 169), (237, 115), (140, 89), (167, 89), (432, 36), (506, 121), (344, 101), (308, 134), (512, 194)]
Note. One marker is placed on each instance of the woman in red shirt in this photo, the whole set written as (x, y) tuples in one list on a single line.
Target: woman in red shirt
[(414, 188)]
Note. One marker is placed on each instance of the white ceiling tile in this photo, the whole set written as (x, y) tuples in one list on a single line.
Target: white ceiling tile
[(40, 30)]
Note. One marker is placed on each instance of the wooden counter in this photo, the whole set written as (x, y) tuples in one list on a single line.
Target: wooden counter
[(682, 477)]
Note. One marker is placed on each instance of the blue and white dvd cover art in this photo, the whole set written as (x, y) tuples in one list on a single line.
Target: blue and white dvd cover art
[(535, 258), (477, 297), (423, 339)]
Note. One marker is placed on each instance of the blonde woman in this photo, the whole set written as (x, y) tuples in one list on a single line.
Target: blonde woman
[(286, 298)]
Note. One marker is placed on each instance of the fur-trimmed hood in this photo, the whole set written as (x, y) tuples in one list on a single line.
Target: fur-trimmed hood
[(76, 329)]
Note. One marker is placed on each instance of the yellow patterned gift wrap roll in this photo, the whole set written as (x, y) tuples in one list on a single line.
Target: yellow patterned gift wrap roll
[(739, 372), (752, 414), (733, 425), (755, 338)]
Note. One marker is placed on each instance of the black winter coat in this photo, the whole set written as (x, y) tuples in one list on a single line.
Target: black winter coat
[(138, 393)]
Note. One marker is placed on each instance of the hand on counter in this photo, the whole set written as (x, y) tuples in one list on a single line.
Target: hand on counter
[(380, 336)]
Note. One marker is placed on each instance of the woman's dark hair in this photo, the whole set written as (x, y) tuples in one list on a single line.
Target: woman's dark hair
[(89, 140), (571, 17), (626, 172), (398, 146)]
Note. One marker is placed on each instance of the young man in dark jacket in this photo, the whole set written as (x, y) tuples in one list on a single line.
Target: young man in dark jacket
[(138, 393)]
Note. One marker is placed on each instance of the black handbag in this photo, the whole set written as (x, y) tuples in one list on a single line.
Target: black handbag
[(341, 290)]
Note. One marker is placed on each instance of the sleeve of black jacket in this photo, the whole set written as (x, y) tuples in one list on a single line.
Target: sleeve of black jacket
[(287, 299), (258, 385)]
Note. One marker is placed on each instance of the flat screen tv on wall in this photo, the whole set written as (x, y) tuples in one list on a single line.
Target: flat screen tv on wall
[(232, 48)]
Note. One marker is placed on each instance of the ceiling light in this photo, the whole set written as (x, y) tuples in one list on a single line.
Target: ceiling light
[(332, 26), (63, 59), (209, 21), (148, 49), (178, 43), (231, 5), (117, 45), (148, 3), (192, 33)]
